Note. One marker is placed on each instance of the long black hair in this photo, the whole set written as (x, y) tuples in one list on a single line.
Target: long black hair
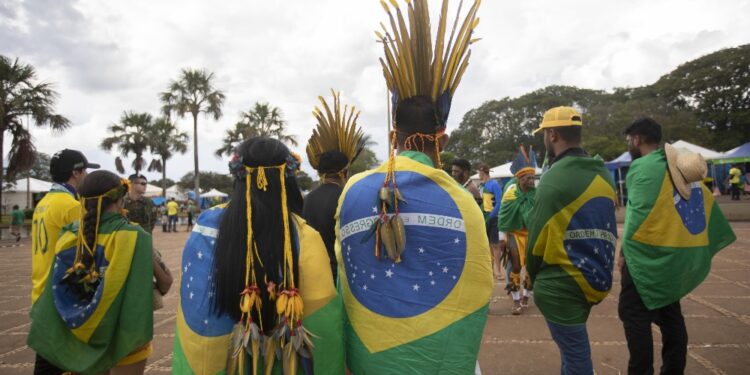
[(267, 226), (102, 184)]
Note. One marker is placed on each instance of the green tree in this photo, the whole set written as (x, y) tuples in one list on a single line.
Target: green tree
[(21, 96), (193, 93), (130, 136), (304, 181), (167, 139), (365, 161), (210, 180), (716, 87), (40, 169), (163, 182), (263, 120)]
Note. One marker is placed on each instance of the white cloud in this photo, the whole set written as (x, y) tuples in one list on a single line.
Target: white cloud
[(108, 57)]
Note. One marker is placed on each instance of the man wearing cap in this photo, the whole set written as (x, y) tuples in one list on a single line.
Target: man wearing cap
[(491, 198), (58, 208), (672, 229), (141, 210), (572, 238), (460, 171)]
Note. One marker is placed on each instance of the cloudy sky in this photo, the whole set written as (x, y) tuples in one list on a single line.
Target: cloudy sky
[(106, 57)]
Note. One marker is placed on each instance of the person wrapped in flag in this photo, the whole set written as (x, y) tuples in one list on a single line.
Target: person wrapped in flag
[(572, 238), (673, 228), (413, 255), (334, 145), (257, 295), (96, 310), (517, 202)]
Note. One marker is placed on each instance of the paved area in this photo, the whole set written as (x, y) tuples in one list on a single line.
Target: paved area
[(717, 315)]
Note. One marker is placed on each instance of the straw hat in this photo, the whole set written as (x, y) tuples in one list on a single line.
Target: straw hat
[(685, 169)]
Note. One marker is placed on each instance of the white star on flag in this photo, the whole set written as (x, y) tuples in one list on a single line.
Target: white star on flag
[(596, 250), (388, 273), (432, 282), (454, 277), (456, 240), (191, 278), (205, 321), (364, 287), (421, 250), (188, 285), (445, 269), (374, 209), (200, 255), (372, 276), (213, 242), (429, 273), (415, 287), (185, 269), (191, 295)]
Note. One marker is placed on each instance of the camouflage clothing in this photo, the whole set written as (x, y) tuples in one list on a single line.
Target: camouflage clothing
[(142, 211)]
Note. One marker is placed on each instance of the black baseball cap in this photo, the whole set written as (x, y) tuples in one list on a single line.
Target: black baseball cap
[(68, 160)]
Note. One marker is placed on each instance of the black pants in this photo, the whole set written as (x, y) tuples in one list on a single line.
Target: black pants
[(637, 319), (43, 367), (735, 189)]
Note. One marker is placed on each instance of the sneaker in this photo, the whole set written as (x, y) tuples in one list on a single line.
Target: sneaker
[(525, 301), (516, 309)]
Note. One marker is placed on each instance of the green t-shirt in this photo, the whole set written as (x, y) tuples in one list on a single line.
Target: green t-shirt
[(16, 217)]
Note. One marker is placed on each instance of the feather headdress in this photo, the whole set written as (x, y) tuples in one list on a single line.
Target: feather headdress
[(412, 67), (336, 131)]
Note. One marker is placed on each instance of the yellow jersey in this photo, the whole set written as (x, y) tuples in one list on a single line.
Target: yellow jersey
[(172, 208), (734, 175), (56, 210)]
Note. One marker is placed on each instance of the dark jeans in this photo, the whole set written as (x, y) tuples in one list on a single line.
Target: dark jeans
[(575, 350), (735, 189), (172, 223), (637, 319), (43, 367)]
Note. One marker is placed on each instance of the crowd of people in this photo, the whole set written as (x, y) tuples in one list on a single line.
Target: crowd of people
[(389, 271)]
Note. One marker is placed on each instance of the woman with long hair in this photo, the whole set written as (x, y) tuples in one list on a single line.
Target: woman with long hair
[(257, 293), (95, 313)]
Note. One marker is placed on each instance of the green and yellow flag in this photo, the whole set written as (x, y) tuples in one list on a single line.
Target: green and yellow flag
[(89, 336), (572, 238), (202, 338), (668, 242), (425, 313)]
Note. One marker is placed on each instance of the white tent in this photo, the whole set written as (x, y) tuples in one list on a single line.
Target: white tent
[(175, 192), (152, 191), (502, 171), (213, 193), (689, 147), (16, 192)]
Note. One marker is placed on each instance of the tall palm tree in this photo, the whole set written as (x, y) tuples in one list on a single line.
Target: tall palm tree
[(167, 139), (263, 120), (194, 93), (21, 96), (131, 135)]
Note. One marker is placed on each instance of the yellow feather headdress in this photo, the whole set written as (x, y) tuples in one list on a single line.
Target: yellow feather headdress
[(412, 67), (336, 131)]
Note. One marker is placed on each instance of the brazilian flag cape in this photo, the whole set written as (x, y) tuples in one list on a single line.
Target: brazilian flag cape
[(668, 242), (516, 207), (90, 336), (426, 313), (572, 238), (201, 340)]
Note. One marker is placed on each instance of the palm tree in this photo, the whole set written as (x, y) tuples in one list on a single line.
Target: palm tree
[(21, 96), (193, 92), (263, 120), (167, 139), (131, 135)]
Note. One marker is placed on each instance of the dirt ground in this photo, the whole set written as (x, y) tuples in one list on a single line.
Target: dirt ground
[(717, 315)]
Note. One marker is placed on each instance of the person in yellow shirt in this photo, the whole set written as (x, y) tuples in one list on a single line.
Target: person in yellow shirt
[(172, 209), (58, 208), (734, 182)]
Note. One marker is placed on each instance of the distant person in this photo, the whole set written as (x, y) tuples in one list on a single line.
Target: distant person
[(190, 214), (16, 222), (572, 238), (492, 195), (95, 314), (58, 208), (172, 209), (141, 210), (734, 182), (673, 227), (460, 171), (334, 146), (164, 217)]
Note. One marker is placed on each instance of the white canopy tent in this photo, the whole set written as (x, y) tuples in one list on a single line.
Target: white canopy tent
[(152, 191), (15, 194), (213, 193), (175, 192), (502, 171), (689, 147)]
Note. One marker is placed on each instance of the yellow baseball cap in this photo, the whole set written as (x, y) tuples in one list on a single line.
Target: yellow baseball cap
[(560, 116)]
